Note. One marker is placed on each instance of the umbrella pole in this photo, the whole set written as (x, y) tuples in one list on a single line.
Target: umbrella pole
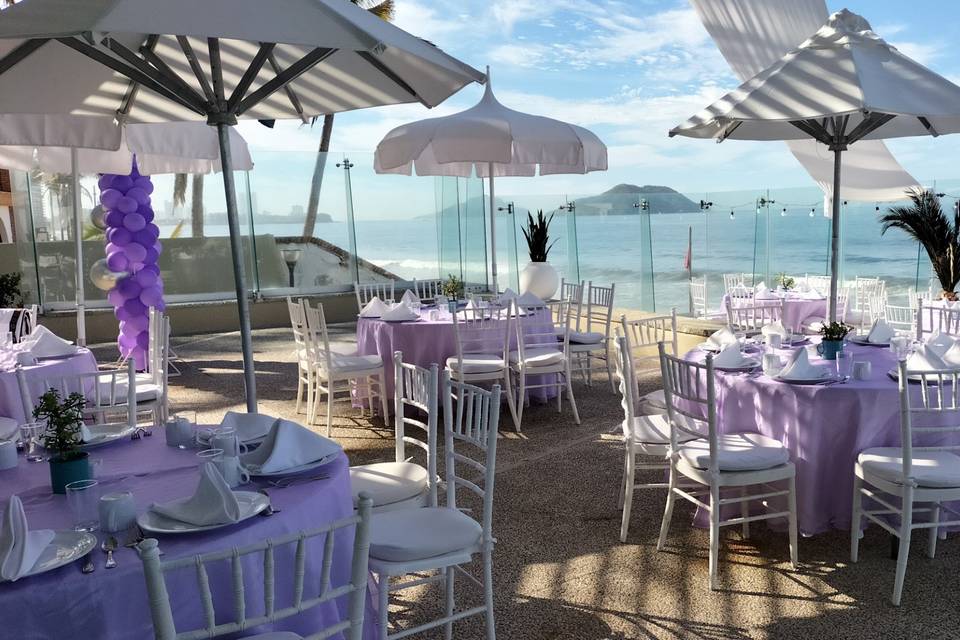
[(493, 232), (78, 246), (236, 252), (835, 234)]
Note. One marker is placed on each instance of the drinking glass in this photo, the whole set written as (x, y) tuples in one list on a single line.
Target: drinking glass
[(30, 433), (844, 363), (210, 455), (83, 497), (786, 341)]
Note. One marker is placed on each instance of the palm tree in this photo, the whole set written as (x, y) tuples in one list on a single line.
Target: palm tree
[(196, 200), (926, 222), (384, 10)]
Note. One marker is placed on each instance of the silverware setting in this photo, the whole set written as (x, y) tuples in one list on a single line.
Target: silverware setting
[(108, 546), (290, 481), (88, 566)]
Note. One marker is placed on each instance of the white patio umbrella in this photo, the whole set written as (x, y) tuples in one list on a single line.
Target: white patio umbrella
[(842, 85), (490, 140), (175, 147), (215, 61)]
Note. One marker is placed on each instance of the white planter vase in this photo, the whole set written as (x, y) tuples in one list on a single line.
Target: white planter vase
[(540, 279)]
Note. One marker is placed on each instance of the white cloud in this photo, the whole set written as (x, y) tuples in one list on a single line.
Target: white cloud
[(424, 22), (516, 55)]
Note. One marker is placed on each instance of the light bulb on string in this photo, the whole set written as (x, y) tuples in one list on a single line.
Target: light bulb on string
[(783, 212), (731, 214), (812, 211)]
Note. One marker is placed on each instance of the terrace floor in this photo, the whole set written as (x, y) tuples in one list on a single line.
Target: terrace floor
[(560, 571)]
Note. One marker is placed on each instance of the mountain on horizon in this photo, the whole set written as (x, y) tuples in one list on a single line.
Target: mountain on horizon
[(621, 200)]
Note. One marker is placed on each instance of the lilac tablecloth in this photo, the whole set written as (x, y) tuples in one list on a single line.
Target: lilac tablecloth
[(11, 405), (423, 343), (796, 309), (824, 428), (113, 604)]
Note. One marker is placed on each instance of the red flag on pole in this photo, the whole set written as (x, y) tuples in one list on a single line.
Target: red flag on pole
[(688, 259)]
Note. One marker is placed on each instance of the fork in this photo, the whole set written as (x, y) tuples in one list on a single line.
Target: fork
[(289, 481)]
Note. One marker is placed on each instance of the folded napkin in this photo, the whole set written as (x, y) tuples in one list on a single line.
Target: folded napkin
[(19, 547), (774, 328), (810, 294), (926, 358), (400, 312), (409, 297), (761, 287), (43, 343), (26, 359), (952, 356), (508, 295), (721, 338), (288, 445), (249, 426), (765, 294), (529, 300), (373, 309), (940, 342), (880, 332), (212, 503), (799, 368), (730, 357)]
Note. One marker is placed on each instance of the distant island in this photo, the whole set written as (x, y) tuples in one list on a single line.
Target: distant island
[(621, 201)]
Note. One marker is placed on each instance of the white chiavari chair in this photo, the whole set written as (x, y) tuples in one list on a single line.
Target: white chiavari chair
[(403, 484), (924, 469), (298, 324), (427, 290), (732, 281), (540, 353), (482, 338), (812, 324), (311, 585), (698, 297), (593, 342), (752, 317), (644, 335), (444, 539), (820, 284), (914, 297), (336, 373), (726, 465), (740, 296), (366, 291), (570, 290), (932, 318), (900, 318)]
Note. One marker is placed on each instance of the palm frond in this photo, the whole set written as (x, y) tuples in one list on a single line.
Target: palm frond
[(537, 234), (179, 189), (925, 221), (385, 9)]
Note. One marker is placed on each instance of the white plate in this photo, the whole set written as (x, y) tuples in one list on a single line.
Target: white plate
[(327, 459), (367, 317), (104, 434), (748, 366), (933, 379), (820, 380), (862, 340), (396, 321), (251, 504), (65, 547), (62, 356), (710, 348)]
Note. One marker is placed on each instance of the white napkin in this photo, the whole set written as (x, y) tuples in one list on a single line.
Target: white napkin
[(766, 294), (26, 359), (400, 312), (373, 309), (287, 446), (721, 338), (19, 547), (43, 343), (774, 328), (409, 297), (811, 295), (925, 358), (249, 426), (529, 300), (761, 287), (952, 356), (508, 295), (940, 343), (730, 357), (880, 332), (212, 503), (799, 368), (441, 301)]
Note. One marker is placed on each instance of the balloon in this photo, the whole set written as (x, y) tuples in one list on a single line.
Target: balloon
[(135, 307), (139, 195), (144, 183), (151, 296), (144, 237), (96, 217), (141, 323), (122, 183), (152, 256), (115, 297), (158, 246), (129, 288), (120, 236), (152, 267), (127, 342), (105, 181), (128, 329), (126, 205), (103, 277), (135, 252), (154, 230), (146, 278), (147, 214), (113, 218), (161, 306), (139, 357), (110, 197), (117, 261), (143, 339), (134, 221)]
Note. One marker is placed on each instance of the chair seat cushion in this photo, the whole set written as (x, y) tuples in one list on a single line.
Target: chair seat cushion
[(653, 402), (388, 482), (586, 337), (933, 469), (654, 429), (345, 364), (145, 391), (737, 452), (415, 534), (537, 356), (477, 363)]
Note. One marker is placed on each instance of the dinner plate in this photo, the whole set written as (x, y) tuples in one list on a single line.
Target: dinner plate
[(327, 459), (805, 381), (251, 503), (106, 434), (397, 321), (747, 366), (367, 317), (862, 340), (65, 547), (61, 356), (710, 348), (933, 379)]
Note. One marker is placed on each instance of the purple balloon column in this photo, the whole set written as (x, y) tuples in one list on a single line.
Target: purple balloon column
[(132, 247)]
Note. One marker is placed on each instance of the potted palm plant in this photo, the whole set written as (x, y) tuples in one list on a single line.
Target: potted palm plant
[(63, 437), (936, 232), (538, 276)]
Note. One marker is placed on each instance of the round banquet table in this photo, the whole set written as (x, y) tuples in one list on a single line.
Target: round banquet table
[(113, 603), (11, 405), (824, 427), (796, 308), (425, 342)]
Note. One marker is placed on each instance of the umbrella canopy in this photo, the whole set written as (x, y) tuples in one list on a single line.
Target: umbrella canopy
[(490, 140), (843, 84), (215, 61)]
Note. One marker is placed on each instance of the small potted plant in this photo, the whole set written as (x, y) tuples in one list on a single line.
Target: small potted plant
[(63, 437), (538, 276), (452, 287), (785, 282), (832, 335)]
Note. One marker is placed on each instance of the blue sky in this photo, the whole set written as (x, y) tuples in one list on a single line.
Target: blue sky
[(628, 70)]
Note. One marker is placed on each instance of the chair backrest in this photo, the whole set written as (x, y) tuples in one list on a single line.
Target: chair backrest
[(26, 322), (535, 327), (428, 289), (698, 296), (731, 281), (865, 290), (691, 399), (471, 428), (105, 391), (914, 296), (931, 319), (900, 318), (644, 334), (317, 337), (929, 412), (819, 283), (629, 392), (597, 309), (740, 295), (752, 317), (307, 560), (570, 290), (416, 387), (298, 324), (367, 290), (481, 331)]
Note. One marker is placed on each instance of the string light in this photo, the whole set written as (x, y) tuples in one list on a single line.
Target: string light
[(731, 214), (784, 212), (812, 211)]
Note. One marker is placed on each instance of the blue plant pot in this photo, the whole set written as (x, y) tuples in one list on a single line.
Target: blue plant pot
[(63, 473), (829, 349)]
